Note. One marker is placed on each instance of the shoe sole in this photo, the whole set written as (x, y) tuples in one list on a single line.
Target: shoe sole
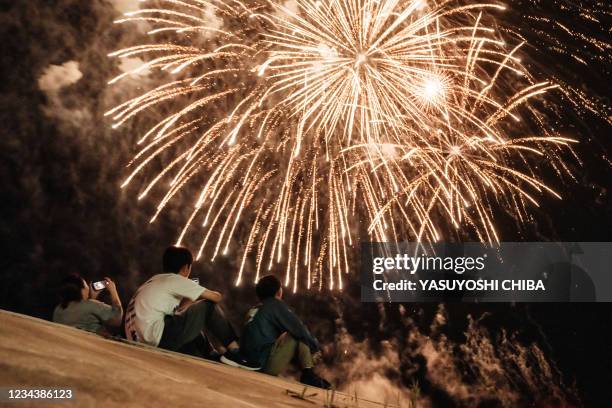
[(232, 363)]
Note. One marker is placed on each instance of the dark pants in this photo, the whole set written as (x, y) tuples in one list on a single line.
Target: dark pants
[(186, 332)]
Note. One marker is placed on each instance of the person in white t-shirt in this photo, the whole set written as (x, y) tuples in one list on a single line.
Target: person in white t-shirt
[(173, 312)]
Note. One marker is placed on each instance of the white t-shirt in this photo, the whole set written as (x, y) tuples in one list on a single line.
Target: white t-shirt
[(156, 298)]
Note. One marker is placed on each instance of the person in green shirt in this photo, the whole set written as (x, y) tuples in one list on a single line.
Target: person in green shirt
[(79, 307)]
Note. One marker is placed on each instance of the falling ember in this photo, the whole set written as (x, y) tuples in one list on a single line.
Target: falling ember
[(310, 128)]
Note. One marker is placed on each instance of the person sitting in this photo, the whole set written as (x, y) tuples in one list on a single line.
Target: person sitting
[(274, 335), (79, 307), (173, 312)]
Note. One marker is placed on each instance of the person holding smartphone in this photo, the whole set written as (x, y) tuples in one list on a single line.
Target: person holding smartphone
[(80, 308)]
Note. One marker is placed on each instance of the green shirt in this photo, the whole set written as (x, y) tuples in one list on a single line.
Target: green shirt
[(87, 314)]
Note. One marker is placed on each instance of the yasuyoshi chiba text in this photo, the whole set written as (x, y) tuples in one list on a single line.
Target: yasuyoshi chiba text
[(478, 285)]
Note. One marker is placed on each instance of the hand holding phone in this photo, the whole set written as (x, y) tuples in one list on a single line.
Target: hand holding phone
[(99, 285)]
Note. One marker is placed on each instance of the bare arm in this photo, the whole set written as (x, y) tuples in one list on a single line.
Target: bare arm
[(185, 303), (206, 295), (115, 301), (211, 295)]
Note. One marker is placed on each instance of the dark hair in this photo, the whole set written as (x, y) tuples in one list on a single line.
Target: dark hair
[(70, 289), (175, 258), (267, 287)]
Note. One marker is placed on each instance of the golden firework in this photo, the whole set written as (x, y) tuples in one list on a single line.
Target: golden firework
[(307, 125)]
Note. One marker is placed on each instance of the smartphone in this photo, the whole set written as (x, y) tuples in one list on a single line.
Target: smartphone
[(196, 280), (99, 285)]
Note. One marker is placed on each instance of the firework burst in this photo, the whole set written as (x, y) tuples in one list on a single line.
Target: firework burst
[(309, 125)]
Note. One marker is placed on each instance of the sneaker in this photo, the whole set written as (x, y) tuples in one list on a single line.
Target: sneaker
[(310, 378), (235, 359)]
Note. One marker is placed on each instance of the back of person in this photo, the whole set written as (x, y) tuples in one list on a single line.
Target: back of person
[(269, 320), (79, 308), (175, 313), (260, 331), (88, 314), (265, 323), (274, 336), (155, 299)]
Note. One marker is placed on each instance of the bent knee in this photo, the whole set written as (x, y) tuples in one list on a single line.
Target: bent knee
[(286, 339)]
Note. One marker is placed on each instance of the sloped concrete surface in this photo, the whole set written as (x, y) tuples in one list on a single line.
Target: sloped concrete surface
[(103, 373)]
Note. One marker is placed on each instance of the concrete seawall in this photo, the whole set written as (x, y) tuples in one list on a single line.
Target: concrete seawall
[(103, 372)]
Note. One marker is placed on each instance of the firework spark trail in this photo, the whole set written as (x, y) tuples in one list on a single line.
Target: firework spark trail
[(412, 118)]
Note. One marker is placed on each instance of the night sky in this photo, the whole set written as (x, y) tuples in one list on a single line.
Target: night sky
[(63, 211)]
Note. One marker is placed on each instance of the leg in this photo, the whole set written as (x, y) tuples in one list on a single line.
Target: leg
[(283, 351), (186, 327), (304, 356), (198, 347), (220, 327), (180, 331)]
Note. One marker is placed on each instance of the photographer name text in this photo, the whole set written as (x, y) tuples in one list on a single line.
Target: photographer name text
[(409, 265), (472, 285)]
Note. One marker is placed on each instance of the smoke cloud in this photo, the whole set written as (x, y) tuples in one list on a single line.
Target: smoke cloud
[(56, 77), (125, 6), (425, 362)]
